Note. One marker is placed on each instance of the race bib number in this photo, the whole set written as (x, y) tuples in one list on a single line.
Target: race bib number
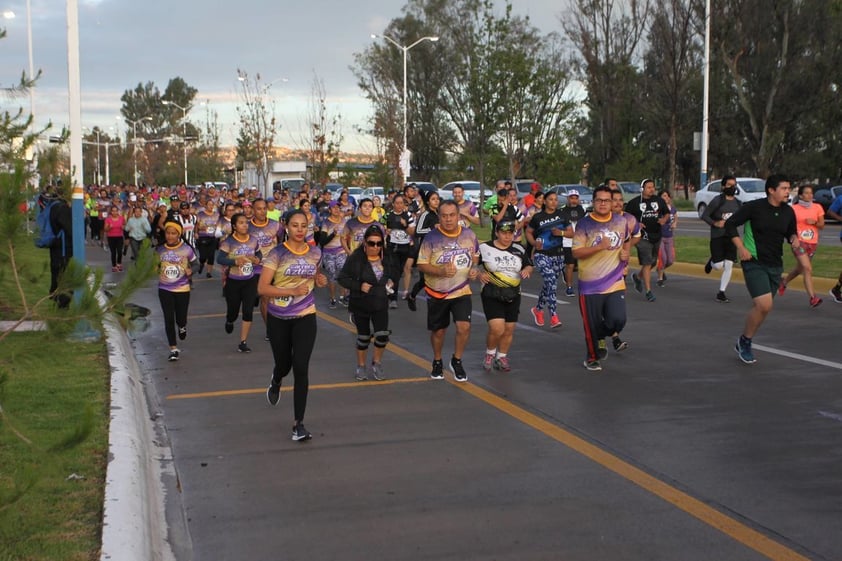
[(462, 261), (808, 235), (399, 237), (171, 272), (247, 268), (283, 301)]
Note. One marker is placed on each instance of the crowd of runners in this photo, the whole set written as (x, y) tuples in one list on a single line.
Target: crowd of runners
[(271, 253)]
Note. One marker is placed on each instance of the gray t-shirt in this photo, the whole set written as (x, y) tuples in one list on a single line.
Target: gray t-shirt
[(719, 208)]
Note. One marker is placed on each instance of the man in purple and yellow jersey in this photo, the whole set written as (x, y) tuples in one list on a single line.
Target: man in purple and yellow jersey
[(448, 257), (601, 245), (468, 212), (269, 233)]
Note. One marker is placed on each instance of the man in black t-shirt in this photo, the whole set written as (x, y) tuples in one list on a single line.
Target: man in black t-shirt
[(652, 212)]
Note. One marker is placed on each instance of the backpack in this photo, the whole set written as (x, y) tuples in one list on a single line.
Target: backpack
[(47, 236)]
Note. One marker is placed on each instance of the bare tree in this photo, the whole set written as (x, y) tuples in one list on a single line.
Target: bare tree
[(323, 134), (258, 125)]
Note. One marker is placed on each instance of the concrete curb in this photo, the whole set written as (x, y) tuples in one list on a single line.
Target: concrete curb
[(134, 522)]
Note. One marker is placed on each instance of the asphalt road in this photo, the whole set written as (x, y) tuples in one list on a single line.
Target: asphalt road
[(676, 450)]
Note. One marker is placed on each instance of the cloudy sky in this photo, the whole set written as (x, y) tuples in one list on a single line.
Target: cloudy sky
[(124, 42)]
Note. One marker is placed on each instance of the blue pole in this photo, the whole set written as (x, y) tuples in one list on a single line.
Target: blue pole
[(78, 209)]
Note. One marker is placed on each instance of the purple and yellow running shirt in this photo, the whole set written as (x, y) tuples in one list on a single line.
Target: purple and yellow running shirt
[(206, 224), (334, 246), (173, 263), (224, 228), (293, 269), (235, 248), (439, 248), (356, 229), (268, 237), (602, 272)]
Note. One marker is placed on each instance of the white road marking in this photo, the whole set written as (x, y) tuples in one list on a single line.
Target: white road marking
[(797, 356)]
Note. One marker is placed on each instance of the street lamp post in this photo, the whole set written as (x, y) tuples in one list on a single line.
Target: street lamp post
[(134, 142), (184, 132), (405, 154), (98, 175)]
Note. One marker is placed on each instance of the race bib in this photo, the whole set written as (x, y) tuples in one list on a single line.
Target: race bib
[(283, 301), (399, 237), (808, 235), (247, 268), (462, 261), (171, 272)]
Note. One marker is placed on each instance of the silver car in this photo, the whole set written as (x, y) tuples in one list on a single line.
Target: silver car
[(472, 191), (748, 189)]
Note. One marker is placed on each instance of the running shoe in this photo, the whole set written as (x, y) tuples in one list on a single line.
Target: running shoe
[(660, 282), (815, 301), (229, 327), (201, 268), (650, 296), (602, 350), (459, 373), (114, 269), (836, 292), (638, 284), (119, 268), (569, 292), (243, 347), (299, 433), (344, 301), (208, 275), (332, 304), (708, 267), (744, 350), (501, 363), (360, 373), (411, 304), (273, 393), (437, 373), (538, 316), (377, 371), (182, 333), (781, 288), (174, 355), (619, 344), (593, 365), (720, 297), (554, 321), (393, 304), (488, 362)]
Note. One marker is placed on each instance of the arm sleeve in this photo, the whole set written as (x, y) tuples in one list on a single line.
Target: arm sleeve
[(707, 215)]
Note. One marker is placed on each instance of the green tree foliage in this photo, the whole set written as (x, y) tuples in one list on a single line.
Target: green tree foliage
[(323, 137)]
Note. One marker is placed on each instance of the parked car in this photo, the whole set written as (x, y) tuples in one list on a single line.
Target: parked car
[(630, 189), (524, 187), (472, 191), (585, 194), (748, 189), (370, 192), (354, 193), (425, 186), (826, 196)]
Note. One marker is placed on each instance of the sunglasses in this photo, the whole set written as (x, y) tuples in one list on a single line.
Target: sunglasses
[(374, 244)]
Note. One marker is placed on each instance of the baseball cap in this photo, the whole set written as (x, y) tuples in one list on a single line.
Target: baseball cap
[(184, 204), (174, 198), (506, 227), (573, 193), (332, 204)]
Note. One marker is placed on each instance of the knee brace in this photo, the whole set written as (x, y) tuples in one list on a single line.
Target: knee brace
[(381, 338), (363, 341)]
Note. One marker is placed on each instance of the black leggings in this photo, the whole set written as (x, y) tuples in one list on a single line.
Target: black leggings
[(240, 293), (395, 262), (292, 343), (207, 249), (174, 305), (115, 244), (364, 321), (96, 228)]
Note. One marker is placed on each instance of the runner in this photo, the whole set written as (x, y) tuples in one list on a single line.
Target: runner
[(572, 212), (601, 244), (400, 228), (364, 274), (207, 219), (504, 265), (768, 222), (835, 212), (545, 233), (352, 233), (114, 225), (468, 212), (666, 252), (426, 223), (809, 219), (290, 273), (447, 258), (268, 234), (333, 255), (240, 252), (137, 230), (723, 252), (175, 261), (651, 211)]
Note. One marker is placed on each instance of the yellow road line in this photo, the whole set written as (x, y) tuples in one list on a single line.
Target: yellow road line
[(250, 391), (718, 520)]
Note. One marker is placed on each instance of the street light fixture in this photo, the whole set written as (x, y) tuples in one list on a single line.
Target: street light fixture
[(96, 131), (184, 132), (134, 141), (405, 154)]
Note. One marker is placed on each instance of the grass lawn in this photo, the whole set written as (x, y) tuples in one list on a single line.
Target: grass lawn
[(35, 273), (51, 388)]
